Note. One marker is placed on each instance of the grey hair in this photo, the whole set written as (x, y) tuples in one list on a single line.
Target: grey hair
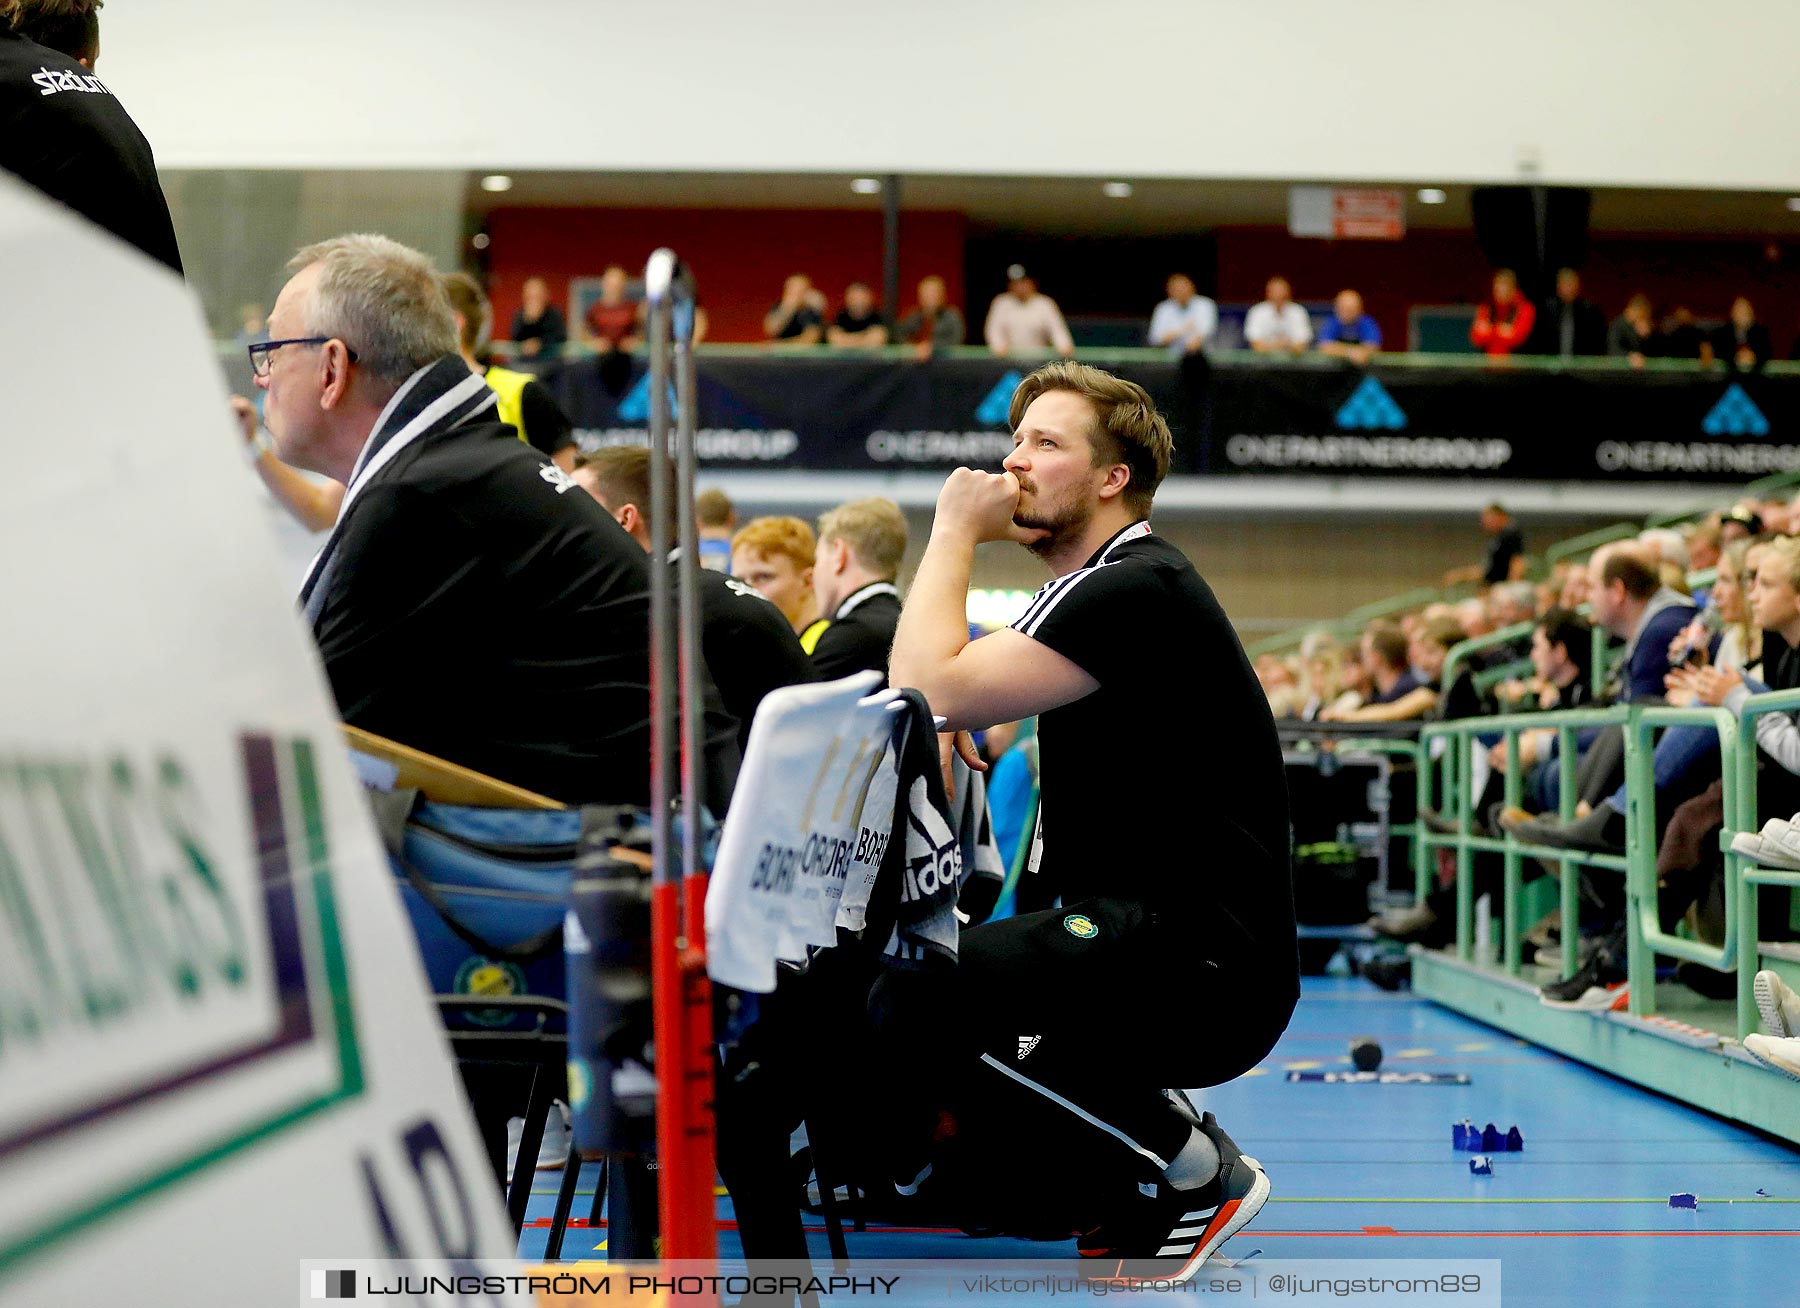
[(1670, 545), (382, 299)]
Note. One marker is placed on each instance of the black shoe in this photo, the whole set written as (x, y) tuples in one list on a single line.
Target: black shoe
[(1178, 1230), (1598, 986), (1389, 973), (1707, 981), (1601, 832), (1436, 823)]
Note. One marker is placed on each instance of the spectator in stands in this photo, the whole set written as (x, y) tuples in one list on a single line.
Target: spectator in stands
[(858, 324), (1628, 599), (854, 570), (1504, 322), (1504, 559), (1384, 657), (1704, 545), (1561, 650), (798, 317), (1276, 324), (1349, 333), (1568, 325), (613, 323), (1511, 603), (1400, 702), (538, 329), (1024, 320), (1633, 333), (253, 326), (935, 324), (1185, 320), (1664, 545), (715, 519), (775, 557), (526, 404), (746, 641), (1682, 337), (1743, 342), (1741, 523)]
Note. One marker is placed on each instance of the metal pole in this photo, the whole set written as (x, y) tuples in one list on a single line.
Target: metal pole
[(684, 1123), (890, 247)]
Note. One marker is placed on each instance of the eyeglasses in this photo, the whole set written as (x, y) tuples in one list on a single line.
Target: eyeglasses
[(260, 352)]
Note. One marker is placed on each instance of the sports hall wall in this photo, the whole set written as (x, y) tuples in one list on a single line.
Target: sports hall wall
[(1599, 93)]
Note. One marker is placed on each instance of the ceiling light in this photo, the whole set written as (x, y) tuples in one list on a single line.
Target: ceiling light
[(1116, 190), (496, 182), (1793, 204), (1431, 195), (479, 240), (866, 185)]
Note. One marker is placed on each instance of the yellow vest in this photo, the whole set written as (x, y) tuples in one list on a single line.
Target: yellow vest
[(510, 387), (809, 639)]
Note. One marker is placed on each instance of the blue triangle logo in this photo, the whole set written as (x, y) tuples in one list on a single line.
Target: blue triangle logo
[(635, 407), (997, 406), (1735, 414), (1371, 408)]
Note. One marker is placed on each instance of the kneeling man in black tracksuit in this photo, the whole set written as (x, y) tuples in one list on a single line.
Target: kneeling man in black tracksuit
[(1171, 962)]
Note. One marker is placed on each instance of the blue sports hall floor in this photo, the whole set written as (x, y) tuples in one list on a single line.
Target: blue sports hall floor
[(1581, 1216)]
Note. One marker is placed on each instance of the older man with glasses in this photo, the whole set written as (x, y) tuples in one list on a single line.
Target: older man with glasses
[(465, 603)]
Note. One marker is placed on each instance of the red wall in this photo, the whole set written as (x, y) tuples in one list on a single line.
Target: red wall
[(739, 256), (1432, 267)]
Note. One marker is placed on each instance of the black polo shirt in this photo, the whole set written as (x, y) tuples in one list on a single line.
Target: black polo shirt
[(1503, 547), (486, 610), (1165, 785), (861, 633), (62, 131), (748, 645)]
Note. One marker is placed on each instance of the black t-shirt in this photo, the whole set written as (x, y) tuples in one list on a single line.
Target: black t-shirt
[(548, 328), (858, 322), (798, 321), (1165, 786), (547, 427), (62, 131), (1503, 547), (748, 645), (861, 633), (484, 609)]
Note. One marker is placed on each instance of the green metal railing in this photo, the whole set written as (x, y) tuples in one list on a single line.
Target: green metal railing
[(1445, 766)]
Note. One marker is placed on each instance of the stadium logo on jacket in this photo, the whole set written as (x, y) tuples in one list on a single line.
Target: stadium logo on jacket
[(52, 80)]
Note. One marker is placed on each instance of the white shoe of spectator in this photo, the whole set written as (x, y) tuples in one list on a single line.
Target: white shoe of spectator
[(1781, 1054), (1778, 1004), (1777, 845)]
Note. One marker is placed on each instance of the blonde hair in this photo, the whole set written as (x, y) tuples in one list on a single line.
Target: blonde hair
[(790, 538), (470, 303), (1127, 428), (875, 531), (382, 299)]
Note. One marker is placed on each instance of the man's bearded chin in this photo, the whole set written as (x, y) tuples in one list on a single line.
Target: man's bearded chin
[(1062, 521)]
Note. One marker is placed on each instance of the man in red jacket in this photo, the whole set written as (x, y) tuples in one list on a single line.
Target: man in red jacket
[(1503, 324)]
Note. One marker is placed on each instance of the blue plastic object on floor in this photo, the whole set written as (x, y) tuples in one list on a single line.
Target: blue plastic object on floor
[(1684, 1201), (1481, 1165)]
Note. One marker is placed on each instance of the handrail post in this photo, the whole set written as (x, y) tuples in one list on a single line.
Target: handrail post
[(1640, 863), (1512, 928), (1568, 756)]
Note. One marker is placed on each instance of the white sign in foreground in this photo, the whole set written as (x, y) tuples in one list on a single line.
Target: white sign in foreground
[(217, 1054)]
